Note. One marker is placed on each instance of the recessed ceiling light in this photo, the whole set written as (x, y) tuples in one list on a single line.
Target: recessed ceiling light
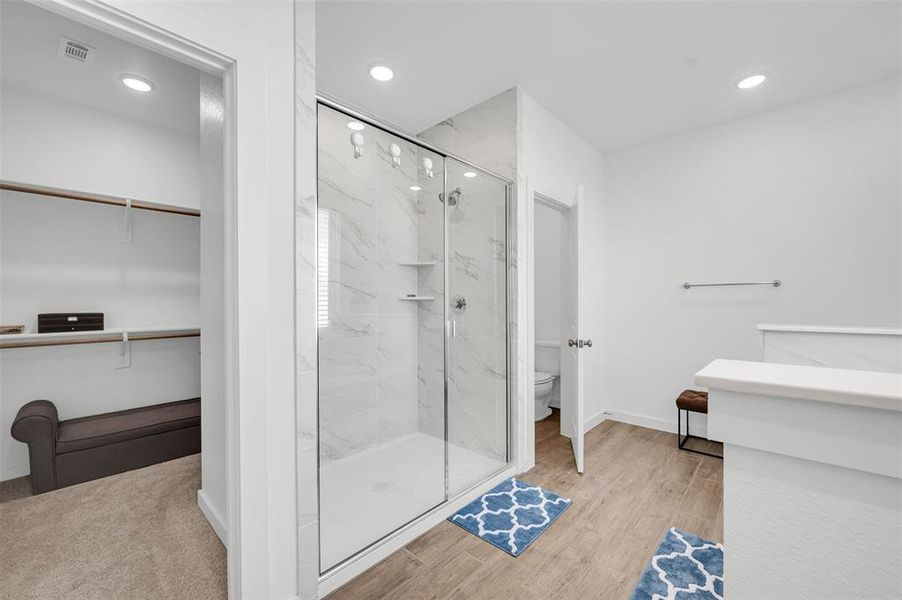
[(470, 174), (381, 73), (139, 84), (751, 81), (415, 188), (355, 125)]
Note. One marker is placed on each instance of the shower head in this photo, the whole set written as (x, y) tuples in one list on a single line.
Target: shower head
[(453, 196)]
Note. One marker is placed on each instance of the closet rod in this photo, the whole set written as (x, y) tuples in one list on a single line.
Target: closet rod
[(28, 188), (97, 340)]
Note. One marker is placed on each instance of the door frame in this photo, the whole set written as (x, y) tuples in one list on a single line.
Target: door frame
[(122, 25), (527, 297), (565, 211)]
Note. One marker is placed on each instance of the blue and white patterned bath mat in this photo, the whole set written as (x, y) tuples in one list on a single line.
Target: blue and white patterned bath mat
[(511, 515), (684, 567)]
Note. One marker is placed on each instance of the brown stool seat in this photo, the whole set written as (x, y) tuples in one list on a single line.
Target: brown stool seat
[(693, 401)]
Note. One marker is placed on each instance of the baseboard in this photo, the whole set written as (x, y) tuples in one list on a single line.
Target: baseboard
[(14, 472), (653, 422), (595, 421), (217, 523)]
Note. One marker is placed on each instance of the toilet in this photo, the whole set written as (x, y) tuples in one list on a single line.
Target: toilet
[(544, 384)]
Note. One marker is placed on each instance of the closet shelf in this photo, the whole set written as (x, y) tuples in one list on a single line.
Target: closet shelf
[(68, 338), (40, 190), (417, 298), (426, 263)]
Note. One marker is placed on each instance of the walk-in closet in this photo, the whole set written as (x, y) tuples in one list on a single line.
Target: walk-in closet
[(112, 256)]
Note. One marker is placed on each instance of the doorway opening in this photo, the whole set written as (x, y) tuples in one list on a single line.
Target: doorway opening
[(555, 292), (114, 256)]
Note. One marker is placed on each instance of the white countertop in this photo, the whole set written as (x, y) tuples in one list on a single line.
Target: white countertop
[(831, 329), (870, 389)]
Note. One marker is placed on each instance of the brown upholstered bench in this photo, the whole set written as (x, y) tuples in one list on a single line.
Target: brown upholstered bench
[(63, 453), (691, 401)]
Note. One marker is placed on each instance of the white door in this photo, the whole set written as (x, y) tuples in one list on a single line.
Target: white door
[(572, 346)]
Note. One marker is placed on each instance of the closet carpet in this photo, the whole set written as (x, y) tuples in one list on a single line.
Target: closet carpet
[(134, 536)]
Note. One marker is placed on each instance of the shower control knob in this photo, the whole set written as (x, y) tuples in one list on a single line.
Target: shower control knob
[(459, 303)]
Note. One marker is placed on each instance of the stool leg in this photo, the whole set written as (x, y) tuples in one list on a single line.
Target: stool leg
[(686, 439), (681, 440)]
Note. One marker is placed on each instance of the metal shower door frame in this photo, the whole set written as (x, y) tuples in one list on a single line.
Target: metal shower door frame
[(324, 100)]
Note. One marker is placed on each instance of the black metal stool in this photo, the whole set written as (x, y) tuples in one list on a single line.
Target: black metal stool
[(691, 401)]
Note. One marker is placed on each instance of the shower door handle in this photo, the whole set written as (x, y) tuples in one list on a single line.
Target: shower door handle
[(452, 328)]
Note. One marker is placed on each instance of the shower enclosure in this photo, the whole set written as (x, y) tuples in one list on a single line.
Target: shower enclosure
[(413, 324)]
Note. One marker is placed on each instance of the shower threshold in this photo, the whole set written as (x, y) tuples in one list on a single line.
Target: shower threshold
[(366, 496)]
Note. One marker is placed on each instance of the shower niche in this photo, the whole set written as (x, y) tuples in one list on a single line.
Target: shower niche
[(412, 324)]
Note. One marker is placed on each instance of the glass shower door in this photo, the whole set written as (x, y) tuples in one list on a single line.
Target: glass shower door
[(381, 334), (477, 345)]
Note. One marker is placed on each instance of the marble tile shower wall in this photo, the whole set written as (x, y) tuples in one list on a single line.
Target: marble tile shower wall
[(485, 134), (382, 360), (476, 355), (368, 337), (305, 282), (431, 331), (477, 361)]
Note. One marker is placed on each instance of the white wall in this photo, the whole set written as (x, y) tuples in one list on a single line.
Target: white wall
[(212, 497), (549, 224), (556, 160), (809, 194), (59, 255), (50, 142)]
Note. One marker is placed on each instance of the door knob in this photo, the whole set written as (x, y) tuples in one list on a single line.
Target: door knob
[(589, 343), (580, 343), (571, 343)]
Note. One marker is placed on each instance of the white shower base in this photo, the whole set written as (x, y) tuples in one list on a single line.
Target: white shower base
[(366, 496)]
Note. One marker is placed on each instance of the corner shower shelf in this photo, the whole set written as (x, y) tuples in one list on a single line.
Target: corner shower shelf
[(417, 298), (427, 263), (66, 338)]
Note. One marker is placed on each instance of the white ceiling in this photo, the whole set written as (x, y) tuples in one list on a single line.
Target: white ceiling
[(619, 73), (29, 61)]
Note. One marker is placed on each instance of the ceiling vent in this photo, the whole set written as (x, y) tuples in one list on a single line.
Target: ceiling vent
[(75, 50)]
